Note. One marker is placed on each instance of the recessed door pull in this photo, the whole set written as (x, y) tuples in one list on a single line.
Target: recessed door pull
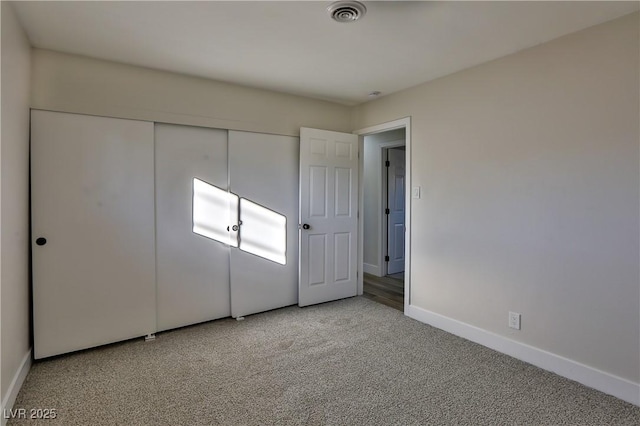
[(41, 241)]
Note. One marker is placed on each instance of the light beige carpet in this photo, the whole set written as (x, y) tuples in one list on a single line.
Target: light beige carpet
[(351, 362)]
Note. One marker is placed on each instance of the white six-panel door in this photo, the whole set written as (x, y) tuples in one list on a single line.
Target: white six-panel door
[(192, 268), (328, 216), (395, 203), (92, 201)]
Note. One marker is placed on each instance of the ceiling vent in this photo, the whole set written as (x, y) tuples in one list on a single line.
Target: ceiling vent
[(346, 11)]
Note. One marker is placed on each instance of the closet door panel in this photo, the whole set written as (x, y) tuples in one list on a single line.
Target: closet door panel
[(192, 216), (263, 171), (92, 201)]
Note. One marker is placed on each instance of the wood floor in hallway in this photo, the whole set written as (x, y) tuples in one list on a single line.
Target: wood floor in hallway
[(386, 290)]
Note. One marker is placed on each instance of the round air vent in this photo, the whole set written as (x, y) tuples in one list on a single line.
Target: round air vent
[(346, 11)]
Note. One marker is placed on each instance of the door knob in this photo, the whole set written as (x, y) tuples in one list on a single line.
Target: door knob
[(306, 226), (41, 241), (235, 227)]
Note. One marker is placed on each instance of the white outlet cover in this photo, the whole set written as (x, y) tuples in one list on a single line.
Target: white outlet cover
[(514, 320)]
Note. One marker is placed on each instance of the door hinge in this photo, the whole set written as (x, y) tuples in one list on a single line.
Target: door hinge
[(386, 258), (387, 163), (387, 211)]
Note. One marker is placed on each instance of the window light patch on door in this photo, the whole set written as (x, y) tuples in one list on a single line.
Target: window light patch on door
[(259, 230), (214, 210), (263, 232)]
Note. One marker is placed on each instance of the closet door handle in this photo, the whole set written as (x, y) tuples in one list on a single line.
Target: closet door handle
[(41, 241)]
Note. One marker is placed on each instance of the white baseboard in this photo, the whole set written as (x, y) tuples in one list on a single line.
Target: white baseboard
[(588, 376), (12, 393), (371, 269)]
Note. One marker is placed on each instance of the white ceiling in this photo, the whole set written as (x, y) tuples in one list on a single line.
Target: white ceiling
[(294, 47)]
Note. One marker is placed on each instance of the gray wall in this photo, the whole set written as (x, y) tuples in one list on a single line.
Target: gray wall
[(71, 83), (530, 195), (14, 199)]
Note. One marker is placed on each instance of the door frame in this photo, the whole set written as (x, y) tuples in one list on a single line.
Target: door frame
[(383, 239), (379, 128)]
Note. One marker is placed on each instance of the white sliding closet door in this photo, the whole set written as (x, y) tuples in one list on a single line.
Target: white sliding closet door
[(192, 263), (93, 231), (263, 171)]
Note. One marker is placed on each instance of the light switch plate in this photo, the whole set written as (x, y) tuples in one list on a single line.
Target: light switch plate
[(415, 193)]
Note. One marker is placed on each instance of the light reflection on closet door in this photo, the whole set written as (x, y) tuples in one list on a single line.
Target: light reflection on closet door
[(263, 232), (215, 213)]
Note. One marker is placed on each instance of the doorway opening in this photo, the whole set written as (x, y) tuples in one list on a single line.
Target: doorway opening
[(384, 201)]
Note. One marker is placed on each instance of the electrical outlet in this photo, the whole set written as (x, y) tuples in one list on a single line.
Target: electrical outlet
[(514, 320)]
